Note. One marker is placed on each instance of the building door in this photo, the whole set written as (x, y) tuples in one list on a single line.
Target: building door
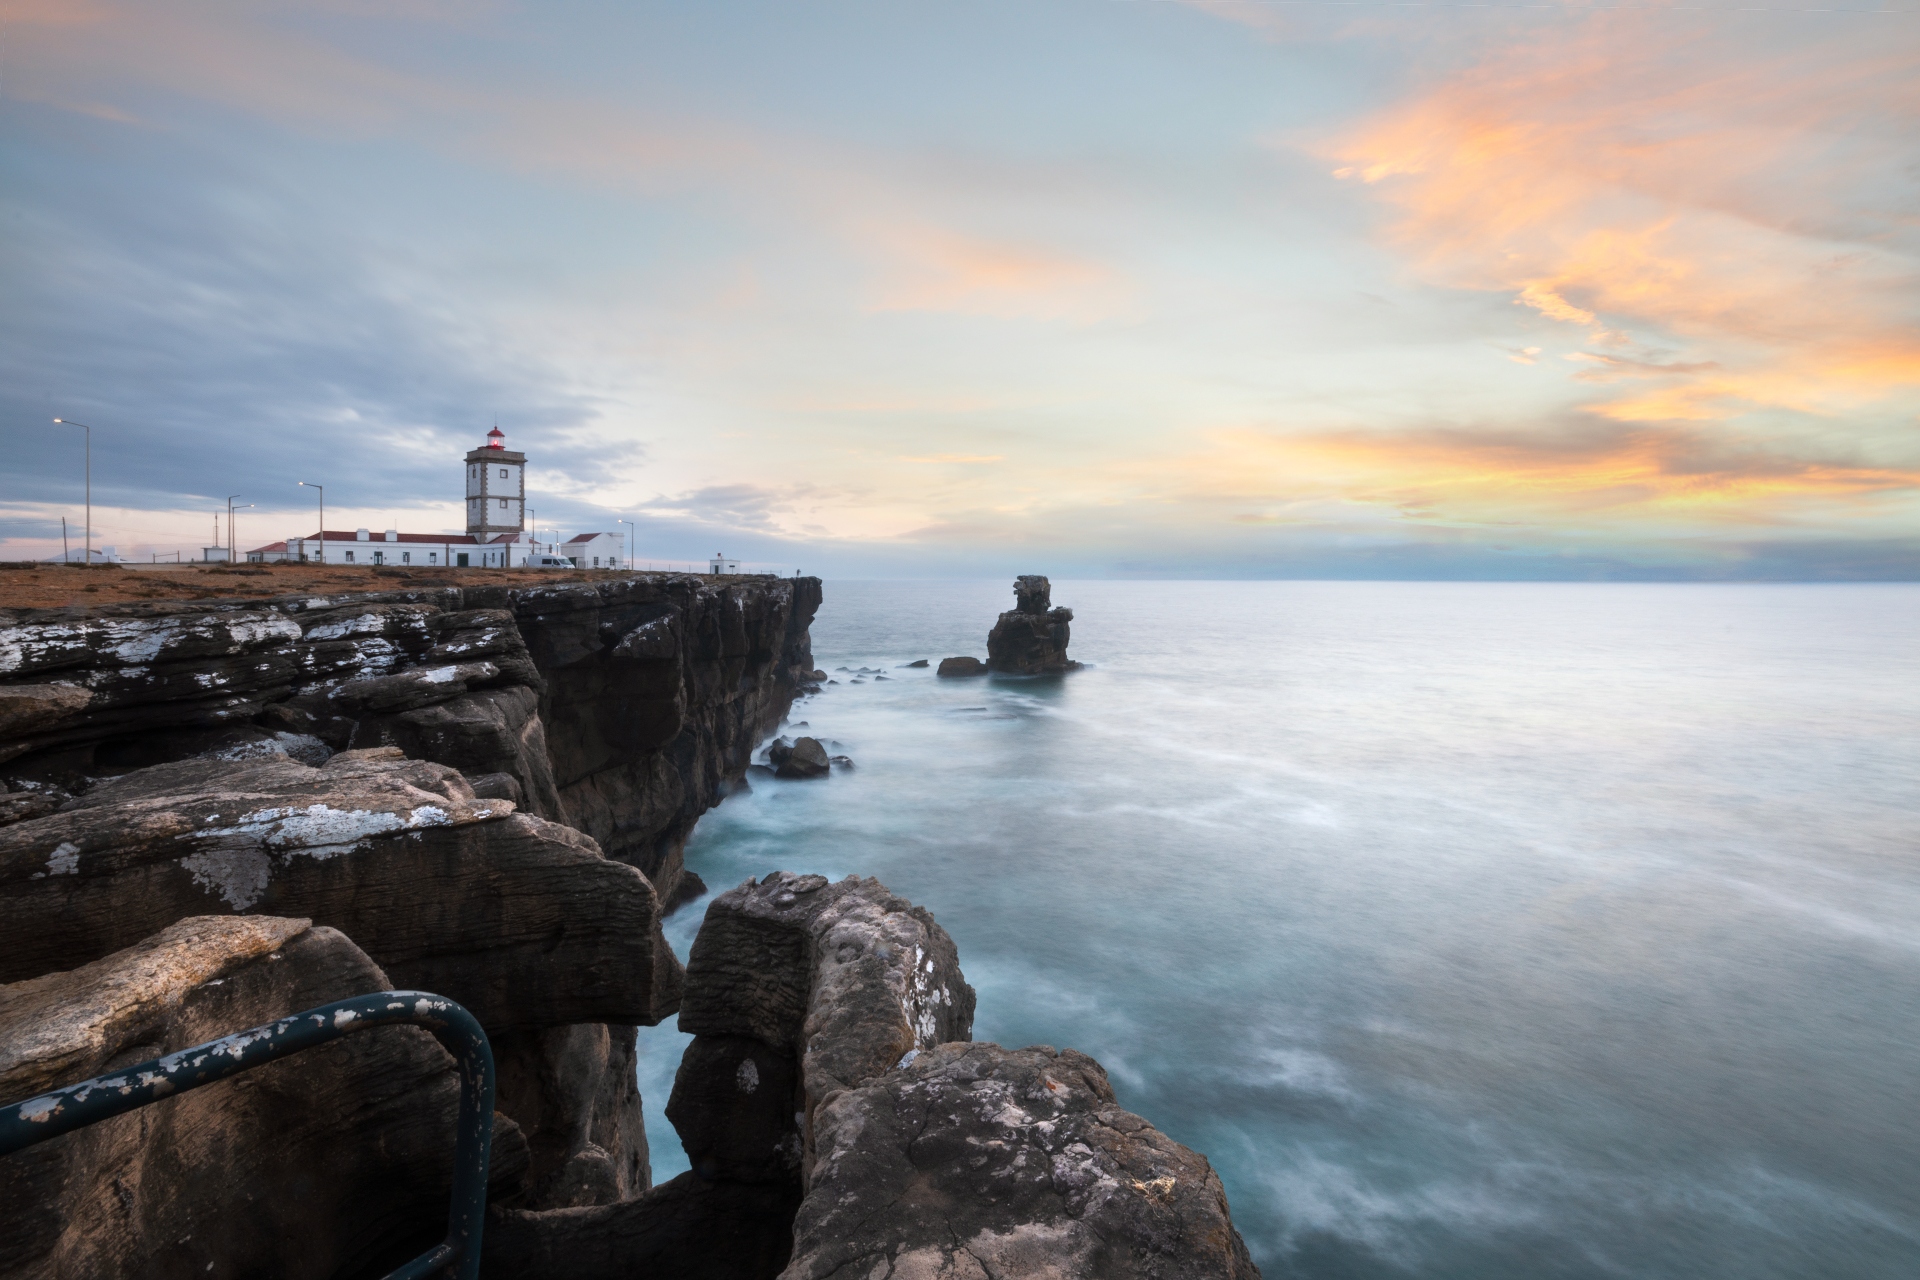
[(379, 557), (463, 561)]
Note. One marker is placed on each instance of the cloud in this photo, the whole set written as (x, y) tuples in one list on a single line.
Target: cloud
[(1746, 206)]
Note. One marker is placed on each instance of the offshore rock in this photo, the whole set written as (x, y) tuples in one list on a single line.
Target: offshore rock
[(335, 1161), (801, 988), (521, 920), (807, 759), (962, 667), (977, 1161), (1031, 638)]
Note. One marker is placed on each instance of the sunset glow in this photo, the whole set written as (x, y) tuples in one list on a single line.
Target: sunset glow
[(1222, 289)]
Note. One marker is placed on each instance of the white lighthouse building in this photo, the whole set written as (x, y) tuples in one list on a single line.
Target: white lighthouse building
[(496, 489), (497, 536)]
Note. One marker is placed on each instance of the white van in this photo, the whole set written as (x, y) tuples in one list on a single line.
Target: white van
[(548, 562)]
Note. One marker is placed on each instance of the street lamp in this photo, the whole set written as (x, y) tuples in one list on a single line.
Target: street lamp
[(323, 515), (629, 525), (230, 546), (87, 556)]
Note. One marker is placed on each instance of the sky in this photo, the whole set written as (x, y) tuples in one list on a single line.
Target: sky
[(1097, 288)]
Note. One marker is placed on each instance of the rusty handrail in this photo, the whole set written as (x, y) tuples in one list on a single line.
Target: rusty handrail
[(35, 1120)]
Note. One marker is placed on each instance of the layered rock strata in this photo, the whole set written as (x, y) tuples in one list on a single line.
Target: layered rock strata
[(621, 707), (1030, 639), (447, 892), (332, 1162)]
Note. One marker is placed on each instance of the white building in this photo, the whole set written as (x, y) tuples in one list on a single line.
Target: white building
[(496, 536), (595, 550), (720, 564)]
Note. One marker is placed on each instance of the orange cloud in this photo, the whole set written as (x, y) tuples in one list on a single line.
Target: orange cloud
[(1742, 206), (1602, 478)]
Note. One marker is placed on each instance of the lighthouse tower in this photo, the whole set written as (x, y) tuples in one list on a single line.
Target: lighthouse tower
[(496, 488)]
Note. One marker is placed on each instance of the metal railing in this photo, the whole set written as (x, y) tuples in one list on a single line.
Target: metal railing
[(35, 1120)]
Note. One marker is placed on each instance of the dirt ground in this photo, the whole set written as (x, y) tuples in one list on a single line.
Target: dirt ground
[(45, 586)]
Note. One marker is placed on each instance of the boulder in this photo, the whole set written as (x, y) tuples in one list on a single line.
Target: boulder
[(961, 667), (1031, 638), (335, 1161), (978, 1161), (918, 662), (820, 987), (808, 759), (521, 920)]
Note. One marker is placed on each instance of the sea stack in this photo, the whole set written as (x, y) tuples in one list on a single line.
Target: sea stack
[(1031, 638)]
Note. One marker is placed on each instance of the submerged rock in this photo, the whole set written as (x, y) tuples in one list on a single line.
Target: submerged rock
[(807, 759), (1031, 638), (962, 667), (919, 662), (974, 1160)]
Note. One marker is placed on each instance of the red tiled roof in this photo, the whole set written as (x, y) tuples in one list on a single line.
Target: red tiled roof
[(337, 535), (589, 537), (271, 546)]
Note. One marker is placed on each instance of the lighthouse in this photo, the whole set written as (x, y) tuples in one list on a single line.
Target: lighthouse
[(496, 489)]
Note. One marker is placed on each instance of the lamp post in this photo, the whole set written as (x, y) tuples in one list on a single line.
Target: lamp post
[(322, 490), (87, 554), (230, 546), (629, 525)]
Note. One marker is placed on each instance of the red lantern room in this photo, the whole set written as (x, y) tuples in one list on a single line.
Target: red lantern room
[(496, 439)]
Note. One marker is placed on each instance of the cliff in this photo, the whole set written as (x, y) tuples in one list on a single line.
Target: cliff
[(619, 706), (485, 788), (220, 812)]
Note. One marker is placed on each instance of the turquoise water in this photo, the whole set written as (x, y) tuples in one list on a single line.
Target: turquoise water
[(1471, 930)]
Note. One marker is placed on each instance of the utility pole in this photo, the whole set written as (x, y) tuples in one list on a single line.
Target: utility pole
[(322, 491), (230, 546), (68, 422)]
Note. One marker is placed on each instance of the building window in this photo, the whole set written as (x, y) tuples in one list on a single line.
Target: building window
[(503, 504), (433, 557), (349, 557), (406, 557), (503, 473)]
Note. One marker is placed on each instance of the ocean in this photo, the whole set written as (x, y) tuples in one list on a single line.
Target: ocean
[(1470, 930)]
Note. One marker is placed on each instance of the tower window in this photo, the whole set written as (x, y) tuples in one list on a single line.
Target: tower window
[(503, 473), (503, 504)]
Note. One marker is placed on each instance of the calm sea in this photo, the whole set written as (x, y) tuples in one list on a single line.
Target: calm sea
[(1471, 930)]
